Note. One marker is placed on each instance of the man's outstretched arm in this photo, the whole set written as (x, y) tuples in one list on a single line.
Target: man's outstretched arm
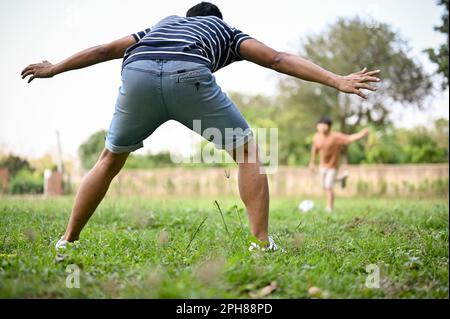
[(82, 59), (257, 52)]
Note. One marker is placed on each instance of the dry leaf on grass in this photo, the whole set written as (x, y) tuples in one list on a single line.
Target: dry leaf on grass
[(210, 270), (30, 233), (267, 290), (297, 240), (163, 237), (314, 292)]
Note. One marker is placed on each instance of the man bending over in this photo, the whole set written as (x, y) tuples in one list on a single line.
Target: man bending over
[(167, 74)]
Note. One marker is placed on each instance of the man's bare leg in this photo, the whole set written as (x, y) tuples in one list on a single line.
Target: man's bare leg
[(92, 190), (330, 199), (253, 189)]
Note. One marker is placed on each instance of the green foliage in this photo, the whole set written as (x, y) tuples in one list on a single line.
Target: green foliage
[(440, 55), (91, 149), (14, 164), (259, 110), (27, 182), (186, 248), (383, 148), (422, 148), (385, 144), (440, 187), (149, 161), (346, 47), (24, 179), (356, 153), (417, 145), (164, 160), (441, 133)]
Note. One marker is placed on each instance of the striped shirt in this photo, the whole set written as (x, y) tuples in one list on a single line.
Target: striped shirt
[(203, 39)]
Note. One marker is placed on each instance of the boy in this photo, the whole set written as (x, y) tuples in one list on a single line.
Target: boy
[(329, 145)]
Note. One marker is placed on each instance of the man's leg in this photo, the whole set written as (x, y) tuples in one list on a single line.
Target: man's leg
[(254, 189), (92, 190)]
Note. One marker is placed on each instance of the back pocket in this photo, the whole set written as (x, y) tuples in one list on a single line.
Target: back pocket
[(194, 76)]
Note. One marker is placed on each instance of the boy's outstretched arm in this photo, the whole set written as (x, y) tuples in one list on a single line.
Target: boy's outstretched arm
[(82, 59), (357, 136), (257, 52)]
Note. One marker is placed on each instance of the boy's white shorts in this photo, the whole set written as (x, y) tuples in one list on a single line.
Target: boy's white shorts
[(328, 177)]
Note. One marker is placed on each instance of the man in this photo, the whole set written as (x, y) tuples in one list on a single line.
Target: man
[(329, 145), (167, 74)]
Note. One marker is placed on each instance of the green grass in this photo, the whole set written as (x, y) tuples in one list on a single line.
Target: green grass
[(155, 248)]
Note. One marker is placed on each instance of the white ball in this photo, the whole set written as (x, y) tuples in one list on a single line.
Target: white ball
[(306, 205)]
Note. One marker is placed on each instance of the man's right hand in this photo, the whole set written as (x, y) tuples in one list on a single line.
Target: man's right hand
[(38, 70), (312, 167)]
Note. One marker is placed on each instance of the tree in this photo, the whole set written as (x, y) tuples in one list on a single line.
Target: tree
[(348, 46), (14, 164), (259, 110), (440, 55), (26, 182), (90, 150)]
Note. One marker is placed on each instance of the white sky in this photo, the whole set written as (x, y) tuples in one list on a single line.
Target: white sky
[(81, 102)]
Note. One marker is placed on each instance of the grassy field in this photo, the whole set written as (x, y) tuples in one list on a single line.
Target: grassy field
[(159, 248)]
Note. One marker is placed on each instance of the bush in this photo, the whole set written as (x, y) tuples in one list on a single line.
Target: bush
[(27, 182), (91, 149), (14, 164), (149, 161), (422, 148)]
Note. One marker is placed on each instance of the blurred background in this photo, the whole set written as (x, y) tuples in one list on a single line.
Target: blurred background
[(52, 130)]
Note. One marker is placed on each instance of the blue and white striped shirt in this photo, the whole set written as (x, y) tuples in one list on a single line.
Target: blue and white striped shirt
[(203, 39)]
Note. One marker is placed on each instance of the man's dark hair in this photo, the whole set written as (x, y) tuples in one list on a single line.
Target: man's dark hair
[(325, 120), (204, 9)]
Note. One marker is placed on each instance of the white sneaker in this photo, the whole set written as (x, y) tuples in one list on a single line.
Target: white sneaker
[(61, 244), (271, 246), (328, 210)]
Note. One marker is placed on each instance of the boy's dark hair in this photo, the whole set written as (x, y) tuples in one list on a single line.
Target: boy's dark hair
[(325, 120), (204, 9)]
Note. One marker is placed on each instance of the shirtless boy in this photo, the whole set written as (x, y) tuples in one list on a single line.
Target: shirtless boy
[(329, 145)]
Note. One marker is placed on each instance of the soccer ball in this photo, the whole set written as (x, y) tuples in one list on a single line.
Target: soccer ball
[(306, 206)]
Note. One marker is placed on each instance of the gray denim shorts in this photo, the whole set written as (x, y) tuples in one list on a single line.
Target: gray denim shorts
[(155, 91)]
